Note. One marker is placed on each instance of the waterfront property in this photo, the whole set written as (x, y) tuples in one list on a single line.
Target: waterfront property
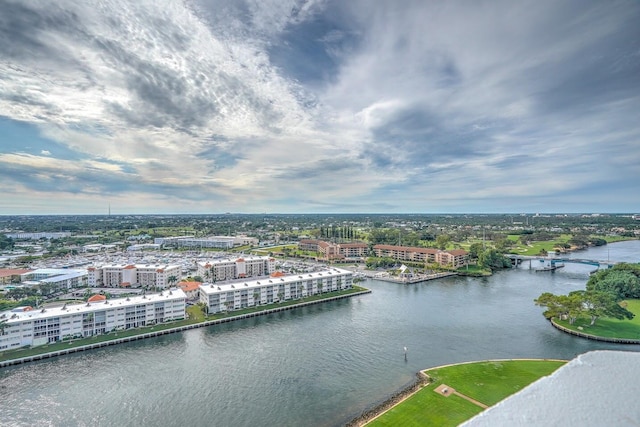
[(138, 275), (236, 268), (237, 295), (454, 258), (24, 326)]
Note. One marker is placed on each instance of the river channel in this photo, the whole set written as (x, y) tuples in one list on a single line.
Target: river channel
[(321, 365)]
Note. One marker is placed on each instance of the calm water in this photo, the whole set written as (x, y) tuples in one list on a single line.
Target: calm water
[(316, 366)]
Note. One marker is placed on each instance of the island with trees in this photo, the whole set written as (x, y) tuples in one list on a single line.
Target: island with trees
[(606, 310)]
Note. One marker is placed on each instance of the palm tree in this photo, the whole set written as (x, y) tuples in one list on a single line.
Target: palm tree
[(172, 280), (320, 287), (280, 296), (256, 298), (3, 325)]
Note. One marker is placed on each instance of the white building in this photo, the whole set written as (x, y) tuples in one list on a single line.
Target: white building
[(236, 268), (237, 295), (138, 275), (27, 326), (143, 246), (217, 242), (61, 278), (37, 236)]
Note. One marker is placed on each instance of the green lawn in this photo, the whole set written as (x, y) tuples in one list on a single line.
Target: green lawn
[(487, 382), (474, 269), (607, 327)]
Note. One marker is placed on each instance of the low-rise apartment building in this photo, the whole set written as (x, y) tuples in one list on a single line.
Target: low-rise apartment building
[(238, 295), (24, 326), (334, 251), (217, 242), (222, 269), (138, 275), (454, 258)]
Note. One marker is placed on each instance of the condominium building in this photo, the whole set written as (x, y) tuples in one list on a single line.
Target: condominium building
[(25, 326), (353, 250), (138, 275), (237, 295), (38, 236), (454, 258), (11, 275), (334, 251), (218, 242), (236, 268)]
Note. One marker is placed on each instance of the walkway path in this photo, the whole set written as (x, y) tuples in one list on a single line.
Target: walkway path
[(447, 391)]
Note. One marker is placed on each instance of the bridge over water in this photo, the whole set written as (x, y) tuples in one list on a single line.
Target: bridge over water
[(552, 262)]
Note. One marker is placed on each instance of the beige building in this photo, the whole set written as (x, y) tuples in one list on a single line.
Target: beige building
[(138, 275), (454, 258), (334, 251)]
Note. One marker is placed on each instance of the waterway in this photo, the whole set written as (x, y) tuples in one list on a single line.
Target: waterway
[(321, 365)]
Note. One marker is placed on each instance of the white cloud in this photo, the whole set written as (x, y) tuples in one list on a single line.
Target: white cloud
[(434, 101)]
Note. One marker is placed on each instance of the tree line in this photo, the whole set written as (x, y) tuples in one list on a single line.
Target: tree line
[(605, 290)]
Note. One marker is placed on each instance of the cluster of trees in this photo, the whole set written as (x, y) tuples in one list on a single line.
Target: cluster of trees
[(393, 236), (604, 292), (488, 257), (6, 242), (584, 240), (384, 262), (333, 232)]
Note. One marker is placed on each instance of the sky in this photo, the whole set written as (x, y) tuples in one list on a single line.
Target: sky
[(319, 106)]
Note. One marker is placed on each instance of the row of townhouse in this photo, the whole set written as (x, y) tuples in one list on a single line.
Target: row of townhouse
[(25, 326), (334, 251), (236, 268), (277, 288), (138, 275), (455, 258)]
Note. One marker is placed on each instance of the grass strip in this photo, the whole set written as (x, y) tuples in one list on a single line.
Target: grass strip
[(487, 382)]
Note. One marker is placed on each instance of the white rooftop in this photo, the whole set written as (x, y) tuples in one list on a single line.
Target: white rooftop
[(213, 288), (37, 313), (599, 388)]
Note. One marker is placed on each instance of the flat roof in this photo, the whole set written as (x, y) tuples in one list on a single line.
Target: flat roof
[(212, 288), (70, 275), (70, 309), (236, 258)]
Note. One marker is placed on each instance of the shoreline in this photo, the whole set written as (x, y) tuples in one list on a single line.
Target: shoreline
[(423, 379), (144, 335), (594, 337), (408, 281), (398, 397)]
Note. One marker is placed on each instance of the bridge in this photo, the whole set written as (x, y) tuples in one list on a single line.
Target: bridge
[(551, 262)]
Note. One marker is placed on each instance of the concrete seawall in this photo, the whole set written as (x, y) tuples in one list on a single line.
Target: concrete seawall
[(595, 337), (115, 341)]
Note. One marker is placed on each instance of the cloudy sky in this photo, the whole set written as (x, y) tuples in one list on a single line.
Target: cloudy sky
[(217, 106)]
